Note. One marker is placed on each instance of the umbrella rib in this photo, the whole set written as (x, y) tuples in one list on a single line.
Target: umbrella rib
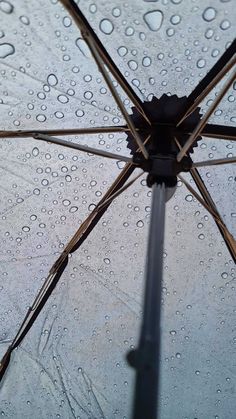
[(62, 132), (222, 132), (80, 147), (212, 75), (61, 263), (114, 93), (227, 236), (58, 267), (208, 88), (197, 131), (214, 162), (86, 28)]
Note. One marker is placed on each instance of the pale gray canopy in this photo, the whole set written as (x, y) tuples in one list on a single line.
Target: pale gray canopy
[(72, 362)]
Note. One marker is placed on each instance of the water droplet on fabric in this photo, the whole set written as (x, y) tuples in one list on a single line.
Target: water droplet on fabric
[(209, 14), (67, 21), (83, 47), (201, 63), (153, 19), (225, 24), (52, 80), (106, 26), (6, 7), (6, 50), (122, 51), (175, 19), (25, 20), (35, 151)]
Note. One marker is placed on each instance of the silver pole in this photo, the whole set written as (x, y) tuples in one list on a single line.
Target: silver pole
[(146, 358)]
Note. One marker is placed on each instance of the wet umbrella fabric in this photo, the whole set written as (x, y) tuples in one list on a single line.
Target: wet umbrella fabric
[(71, 363)]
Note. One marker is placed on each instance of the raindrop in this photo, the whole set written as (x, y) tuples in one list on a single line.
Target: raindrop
[(93, 8), (66, 21), (79, 113), (146, 61), (116, 12), (201, 237), (73, 209), (170, 32), (52, 80), (59, 115), (140, 224), (175, 20), (66, 202), (153, 19), (133, 65), (41, 118), (88, 95), (83, 47), (178, 355), (189, 198), (35, 151), (62, 99), (107, 261), (201, 63), (209, 33), (26, 229), (122, 51), (209, 14), (129, 31), (6, 49), (106, 26), (6, 7), (225, 24), (25, 20)]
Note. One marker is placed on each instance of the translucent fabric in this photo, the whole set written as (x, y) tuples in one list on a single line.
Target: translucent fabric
[(72, 363)]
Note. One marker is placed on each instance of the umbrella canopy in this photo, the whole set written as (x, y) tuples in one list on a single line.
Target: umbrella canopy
[(72, 362)]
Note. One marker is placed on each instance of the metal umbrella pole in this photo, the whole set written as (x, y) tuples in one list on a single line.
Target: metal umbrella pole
[(146, 358)]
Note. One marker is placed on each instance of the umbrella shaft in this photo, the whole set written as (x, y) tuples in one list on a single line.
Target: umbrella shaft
[(148, 353)]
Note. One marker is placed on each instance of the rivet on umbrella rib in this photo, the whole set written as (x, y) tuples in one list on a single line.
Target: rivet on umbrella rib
[(85, 27), (205, 118), (210, 86), (215, 162), (80, 147)]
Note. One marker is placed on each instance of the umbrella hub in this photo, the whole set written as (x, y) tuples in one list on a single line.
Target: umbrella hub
[(164, 138)]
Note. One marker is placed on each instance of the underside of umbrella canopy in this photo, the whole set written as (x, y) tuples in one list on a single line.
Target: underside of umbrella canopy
[(88, 94)]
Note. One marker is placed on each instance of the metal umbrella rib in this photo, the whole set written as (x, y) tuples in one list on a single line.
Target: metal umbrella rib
[(61, 263), (214, 162), (63, 132), (205, 118), (80, 147), (227, 236), (212, 77), (87, 31)]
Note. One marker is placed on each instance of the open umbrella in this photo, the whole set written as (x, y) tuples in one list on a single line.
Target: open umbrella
[(99, 103)]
